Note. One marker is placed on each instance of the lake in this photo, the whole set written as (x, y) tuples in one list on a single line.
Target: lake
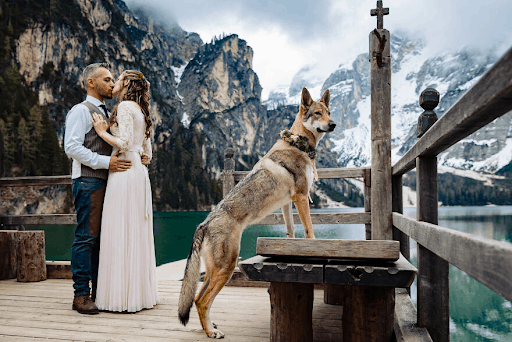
[(477, 313)]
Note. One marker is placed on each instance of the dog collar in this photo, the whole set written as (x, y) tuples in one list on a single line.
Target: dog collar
[(299, 142)]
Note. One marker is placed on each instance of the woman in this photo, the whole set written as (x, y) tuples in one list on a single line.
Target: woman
[(127, 267)]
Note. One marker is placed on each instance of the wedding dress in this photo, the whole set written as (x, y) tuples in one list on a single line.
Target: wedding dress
[(127, 266)]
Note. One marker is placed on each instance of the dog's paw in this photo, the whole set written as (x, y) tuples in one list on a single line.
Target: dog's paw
[(215, 334), (214, 325)]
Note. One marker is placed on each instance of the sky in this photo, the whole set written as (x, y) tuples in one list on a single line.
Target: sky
[(289, 35)]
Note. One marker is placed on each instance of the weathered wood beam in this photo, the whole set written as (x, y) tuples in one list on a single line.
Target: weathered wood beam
[(380, 74), (11, 220), (367, 180), (406, 328), (433, 280), (35, 181), (322, 173), (398, 206), (329, 248), (321, 218), (488, 99), (486, 260)]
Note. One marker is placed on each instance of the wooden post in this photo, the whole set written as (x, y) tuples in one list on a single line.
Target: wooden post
[(8, 254), (433, 290), (333, 294), (368, 313), (291, 317), (31, 256), (228, 179), (367, 180), (398, 207), (381, 217)]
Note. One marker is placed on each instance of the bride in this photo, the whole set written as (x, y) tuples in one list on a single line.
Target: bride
[(127, 267)]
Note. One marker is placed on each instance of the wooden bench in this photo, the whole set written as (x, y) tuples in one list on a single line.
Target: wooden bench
[(367, 284)]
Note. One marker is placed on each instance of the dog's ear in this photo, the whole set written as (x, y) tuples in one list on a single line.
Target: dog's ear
[(326, 98), (306, 99)]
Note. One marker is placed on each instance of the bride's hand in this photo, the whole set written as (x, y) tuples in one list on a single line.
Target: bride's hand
[(99, 124)]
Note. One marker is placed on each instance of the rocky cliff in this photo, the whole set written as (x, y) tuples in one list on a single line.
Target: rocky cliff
[(205, 97), (51, 43)]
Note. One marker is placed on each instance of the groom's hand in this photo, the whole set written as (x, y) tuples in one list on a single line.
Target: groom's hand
[(117, 164)]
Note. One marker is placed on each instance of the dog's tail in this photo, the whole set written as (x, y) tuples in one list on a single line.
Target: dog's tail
[(191, 276)]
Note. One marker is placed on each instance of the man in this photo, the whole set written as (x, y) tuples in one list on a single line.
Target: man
[(91, 162)]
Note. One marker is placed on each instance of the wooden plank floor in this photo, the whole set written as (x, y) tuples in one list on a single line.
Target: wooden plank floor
[(42, 311)]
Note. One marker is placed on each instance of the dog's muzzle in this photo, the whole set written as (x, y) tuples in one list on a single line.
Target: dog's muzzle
[(329, 128)]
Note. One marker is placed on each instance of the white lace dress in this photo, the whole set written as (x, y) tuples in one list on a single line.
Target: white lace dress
[(127, 266)]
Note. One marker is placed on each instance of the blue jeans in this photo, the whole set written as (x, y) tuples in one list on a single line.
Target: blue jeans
[(88, 194)]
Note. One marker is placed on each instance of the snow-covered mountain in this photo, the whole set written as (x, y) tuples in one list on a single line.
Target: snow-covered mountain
[(414, 68)]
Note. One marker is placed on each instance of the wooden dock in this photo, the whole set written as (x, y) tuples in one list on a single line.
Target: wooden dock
[(40, 311)]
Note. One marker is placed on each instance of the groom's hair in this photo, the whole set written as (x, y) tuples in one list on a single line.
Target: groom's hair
[(90, 71)]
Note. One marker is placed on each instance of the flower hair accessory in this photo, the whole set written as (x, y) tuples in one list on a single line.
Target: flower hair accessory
[(140, 77), (299, 142)]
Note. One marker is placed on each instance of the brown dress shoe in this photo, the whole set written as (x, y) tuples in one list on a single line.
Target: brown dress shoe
[(84, 305)]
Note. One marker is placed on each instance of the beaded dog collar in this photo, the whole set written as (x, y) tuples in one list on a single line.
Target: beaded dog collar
[(299, 142)]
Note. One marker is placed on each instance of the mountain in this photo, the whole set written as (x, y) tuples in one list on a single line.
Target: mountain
[(484, 157), (206, 97), (47, 44)]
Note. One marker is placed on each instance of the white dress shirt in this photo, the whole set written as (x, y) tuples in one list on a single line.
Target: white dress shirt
[(78, 124)]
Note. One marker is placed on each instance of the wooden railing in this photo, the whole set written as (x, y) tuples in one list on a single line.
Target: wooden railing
[(19, 221), (230, 177), (486, 260)]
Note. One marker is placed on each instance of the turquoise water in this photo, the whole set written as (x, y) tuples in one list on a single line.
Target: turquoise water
[(476, 312)]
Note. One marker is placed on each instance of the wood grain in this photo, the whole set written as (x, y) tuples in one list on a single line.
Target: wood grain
[(8, 254), (64, 219), (433, 284), (42, 311), (380, 74), (321, 218), (322, 173), (35, 181), (486, 260), (31, 262), (291, 312), (406, 327), (323, 248)]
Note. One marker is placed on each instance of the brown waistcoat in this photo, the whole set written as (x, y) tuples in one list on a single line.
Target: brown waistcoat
[(94, 143)]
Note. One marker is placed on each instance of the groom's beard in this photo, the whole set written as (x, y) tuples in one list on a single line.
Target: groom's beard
[(106, 94)]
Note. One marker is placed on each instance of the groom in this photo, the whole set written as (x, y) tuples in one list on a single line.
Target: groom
[(91, 162)]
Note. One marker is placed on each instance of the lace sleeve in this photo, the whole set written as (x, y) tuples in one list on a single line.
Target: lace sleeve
[(146, 148), (125, 124)]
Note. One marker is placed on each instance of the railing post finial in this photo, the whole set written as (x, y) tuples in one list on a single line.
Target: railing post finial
[(228, 179), (429, 99)]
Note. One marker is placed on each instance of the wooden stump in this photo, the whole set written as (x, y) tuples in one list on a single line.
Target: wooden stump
[(31, 256), (58, 270), (291, 317), (333, 294), (8, 254), (368, 313)]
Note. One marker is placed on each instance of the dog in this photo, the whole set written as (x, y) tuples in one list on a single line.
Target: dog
[(283, 175)]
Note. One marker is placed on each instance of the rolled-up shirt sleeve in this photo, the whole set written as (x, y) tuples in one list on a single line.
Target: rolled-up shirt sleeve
[(78, 124)]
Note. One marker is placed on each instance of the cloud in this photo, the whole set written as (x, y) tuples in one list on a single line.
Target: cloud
[(287, 35)]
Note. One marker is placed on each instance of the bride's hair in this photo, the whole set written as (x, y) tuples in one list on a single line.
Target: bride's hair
[(137, 90)]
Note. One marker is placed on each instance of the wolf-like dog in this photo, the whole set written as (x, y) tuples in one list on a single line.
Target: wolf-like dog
[(283, 175)]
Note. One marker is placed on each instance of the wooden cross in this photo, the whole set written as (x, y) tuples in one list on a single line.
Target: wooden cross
[(380, 13)]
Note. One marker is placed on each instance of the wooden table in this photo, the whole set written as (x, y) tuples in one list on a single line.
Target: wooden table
[(368, 288)]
